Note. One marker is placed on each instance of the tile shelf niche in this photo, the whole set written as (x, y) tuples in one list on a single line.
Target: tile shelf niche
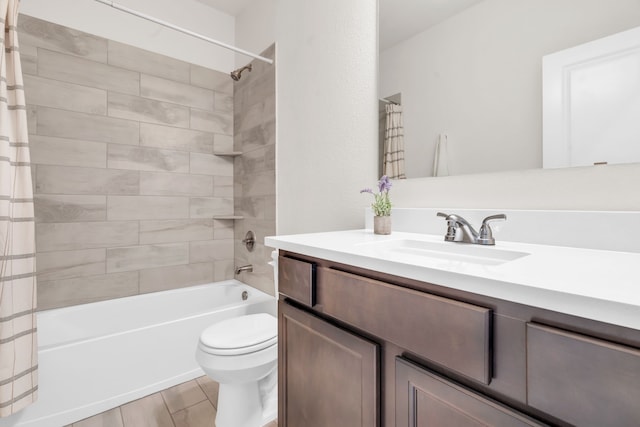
[(228, 153)]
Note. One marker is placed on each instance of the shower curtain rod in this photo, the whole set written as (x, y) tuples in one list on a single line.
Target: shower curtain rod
[(182, 30), (386, 101)]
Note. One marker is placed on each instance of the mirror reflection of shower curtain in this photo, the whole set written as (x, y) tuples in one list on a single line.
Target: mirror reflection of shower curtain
[(393, 161)]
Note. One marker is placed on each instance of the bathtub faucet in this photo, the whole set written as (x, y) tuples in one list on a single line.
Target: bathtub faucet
[(247, 267)]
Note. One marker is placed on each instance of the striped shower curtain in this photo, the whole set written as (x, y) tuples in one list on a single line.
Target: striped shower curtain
[(393, 161), (18, 345)]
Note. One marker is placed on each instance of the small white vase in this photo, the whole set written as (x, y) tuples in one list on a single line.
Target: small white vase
[(382, 224)]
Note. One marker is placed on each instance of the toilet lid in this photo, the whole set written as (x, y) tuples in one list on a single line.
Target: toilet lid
[(248, 333)]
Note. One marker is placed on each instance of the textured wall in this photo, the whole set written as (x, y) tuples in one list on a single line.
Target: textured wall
[(103, 21), (255, 171), (327, 113), (126, 182)]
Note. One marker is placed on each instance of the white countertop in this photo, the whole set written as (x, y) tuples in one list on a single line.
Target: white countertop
[(594, 284)]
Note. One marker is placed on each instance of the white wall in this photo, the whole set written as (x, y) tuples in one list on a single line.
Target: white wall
[(101, 20), (477, 77), (327, 112), (255, 28), (593, 188)]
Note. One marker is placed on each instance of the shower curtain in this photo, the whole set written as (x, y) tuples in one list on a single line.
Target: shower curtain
[(18, 345), (393, 162)]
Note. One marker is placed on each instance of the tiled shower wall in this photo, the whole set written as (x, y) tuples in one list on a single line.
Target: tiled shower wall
[(254, 171), (126, 182)]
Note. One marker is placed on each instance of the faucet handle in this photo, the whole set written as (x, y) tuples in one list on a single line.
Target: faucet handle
[(486, 235), (452, 228), (493, 217)]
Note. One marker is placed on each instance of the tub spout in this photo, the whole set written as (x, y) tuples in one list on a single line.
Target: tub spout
[(247, 267)]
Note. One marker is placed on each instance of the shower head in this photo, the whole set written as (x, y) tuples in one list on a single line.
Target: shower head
[(235, 75)]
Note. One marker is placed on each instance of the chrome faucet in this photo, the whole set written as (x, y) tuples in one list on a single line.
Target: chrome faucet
[(459, 229), (248, 268)]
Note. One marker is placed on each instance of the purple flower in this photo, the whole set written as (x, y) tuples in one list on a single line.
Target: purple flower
[(384, 184), (381, 202)]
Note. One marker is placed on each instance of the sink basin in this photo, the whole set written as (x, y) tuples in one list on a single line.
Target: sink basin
[(462, 252)]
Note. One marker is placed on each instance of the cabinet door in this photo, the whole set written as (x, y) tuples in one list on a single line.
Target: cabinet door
[(426, 399), (582, 380), (328, 376)]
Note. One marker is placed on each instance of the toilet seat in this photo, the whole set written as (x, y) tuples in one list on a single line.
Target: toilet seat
[(240, 335)]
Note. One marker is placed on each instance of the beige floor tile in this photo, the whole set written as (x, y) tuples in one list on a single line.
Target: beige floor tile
[(111, 418), (191, 404), (183, 396), (210, 388), (150, 411), (202, 414)]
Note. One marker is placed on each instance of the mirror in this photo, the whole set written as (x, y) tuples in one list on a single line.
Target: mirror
[(473, 73)]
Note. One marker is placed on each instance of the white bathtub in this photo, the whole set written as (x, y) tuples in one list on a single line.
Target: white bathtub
[(97, 356)]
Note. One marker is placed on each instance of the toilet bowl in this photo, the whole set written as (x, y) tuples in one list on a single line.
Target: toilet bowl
[(238, 353)]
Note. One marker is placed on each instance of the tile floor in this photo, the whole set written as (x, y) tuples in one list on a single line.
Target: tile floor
[(191, 404)]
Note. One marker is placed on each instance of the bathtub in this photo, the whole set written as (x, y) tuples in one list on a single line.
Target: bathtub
[(94, 357)]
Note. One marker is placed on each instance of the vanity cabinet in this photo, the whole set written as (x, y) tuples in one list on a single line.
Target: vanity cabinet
[(327, 376), (411, 319), (425, 399), (582, 380), (364, 348)]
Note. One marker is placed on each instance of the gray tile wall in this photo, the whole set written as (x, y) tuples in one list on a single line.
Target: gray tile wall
[(125, 179), (254, 123)]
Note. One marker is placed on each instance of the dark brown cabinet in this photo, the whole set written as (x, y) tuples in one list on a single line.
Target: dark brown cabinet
[(582, 380), (328, 376), (364, 348), (425, 399), (413, 320)]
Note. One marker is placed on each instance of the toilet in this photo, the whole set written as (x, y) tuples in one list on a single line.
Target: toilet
[(238, 353), (241, 354)]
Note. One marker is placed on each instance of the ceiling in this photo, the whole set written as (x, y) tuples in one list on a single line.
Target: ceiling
[(399, 19), (402, 19)]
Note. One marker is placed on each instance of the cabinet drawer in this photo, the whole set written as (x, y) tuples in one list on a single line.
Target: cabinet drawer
[(450, 333), (297, 280), (426, 399), (582, 380)]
